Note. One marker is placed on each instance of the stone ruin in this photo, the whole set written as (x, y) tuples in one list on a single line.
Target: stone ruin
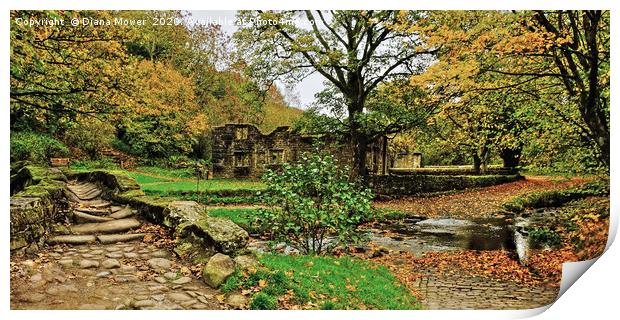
[(407, 160), (243, 151)]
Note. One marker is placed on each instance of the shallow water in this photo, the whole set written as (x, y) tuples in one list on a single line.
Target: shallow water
[(445, 235)]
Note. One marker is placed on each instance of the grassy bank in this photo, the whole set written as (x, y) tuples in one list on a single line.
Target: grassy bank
[(243, 217), (556, 198), (321, 282), (181, 183)]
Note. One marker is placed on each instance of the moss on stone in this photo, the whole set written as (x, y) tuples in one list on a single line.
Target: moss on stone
[(113, 180), (25, 174), (43, 189), (228, 236), (38, 201), (131, 194), (44, 173), (193, 248)]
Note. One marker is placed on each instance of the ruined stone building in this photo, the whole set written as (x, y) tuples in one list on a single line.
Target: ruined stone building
[(406, 160), (241, 150)]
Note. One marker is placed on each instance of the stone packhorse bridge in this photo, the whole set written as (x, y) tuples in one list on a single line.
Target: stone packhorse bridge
[(79, 243)]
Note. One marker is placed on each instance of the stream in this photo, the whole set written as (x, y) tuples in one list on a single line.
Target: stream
[(418, 236)]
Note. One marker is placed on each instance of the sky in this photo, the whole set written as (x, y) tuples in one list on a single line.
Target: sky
[(302, 95)]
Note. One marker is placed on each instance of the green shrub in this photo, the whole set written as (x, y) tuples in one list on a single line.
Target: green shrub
[(311, 200), (545, 236), (122, 147), (263, 301), (452, 170), (36, 147)]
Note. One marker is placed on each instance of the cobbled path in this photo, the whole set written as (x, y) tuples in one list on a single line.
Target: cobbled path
[(102, 264), (131, 275), (458, 293)]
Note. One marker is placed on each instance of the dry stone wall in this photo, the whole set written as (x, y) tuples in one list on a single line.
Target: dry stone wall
[(391, 186), (38, 201)]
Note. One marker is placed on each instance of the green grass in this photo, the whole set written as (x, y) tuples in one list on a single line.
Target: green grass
[(243, 217), (205, 185), (157, 179), (206, 198), (178, 183), (164, 182), (167, 172), (324, 282), (143, 179)]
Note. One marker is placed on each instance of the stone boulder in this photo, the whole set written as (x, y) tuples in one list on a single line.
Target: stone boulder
[(113, 181), (245, 262), (237, 301), (200, 236), (217, 270), (227, 236), (180, 212)]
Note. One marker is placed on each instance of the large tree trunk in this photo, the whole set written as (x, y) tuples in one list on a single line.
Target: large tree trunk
[(511, 157), (359, 140), (477, 162), (484, 157), (359, 156), (583, 68), (592, 108)]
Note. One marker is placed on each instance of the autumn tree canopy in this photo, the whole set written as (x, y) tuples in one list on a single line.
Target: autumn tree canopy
[(515, 65), (355, 51), (478, 87), (160, 87)]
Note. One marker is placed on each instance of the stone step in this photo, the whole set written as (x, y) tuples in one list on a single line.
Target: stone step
[(101, 205), (91, 195), (113, 238), (116, 208), (85, 188), (123, 213), (113, 226), (73, 197), (81, 183), (88, 203), (72, 239), (93, 211), (85, 192), (81, 217)]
